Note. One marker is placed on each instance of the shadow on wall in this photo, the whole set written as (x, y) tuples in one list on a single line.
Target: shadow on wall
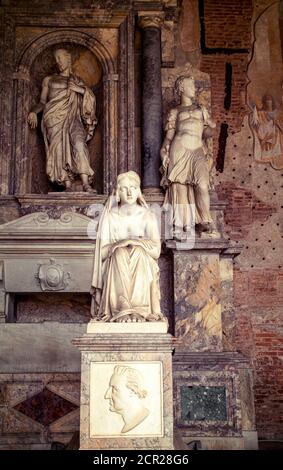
[(270, 445), (74, 443)]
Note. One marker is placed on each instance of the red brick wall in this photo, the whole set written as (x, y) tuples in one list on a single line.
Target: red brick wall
[(258, 277), (243, 209), (258, 334), (214, 64), (258, 299), (227, 25)]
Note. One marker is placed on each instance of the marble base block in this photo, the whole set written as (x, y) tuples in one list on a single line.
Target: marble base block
[(126, 387), (144, 328), (197, 300)]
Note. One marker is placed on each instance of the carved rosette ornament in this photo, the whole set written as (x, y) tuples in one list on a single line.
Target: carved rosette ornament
[(52, 276)]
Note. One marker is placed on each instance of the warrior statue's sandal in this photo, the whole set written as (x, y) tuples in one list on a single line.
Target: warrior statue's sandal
[(88, 189)]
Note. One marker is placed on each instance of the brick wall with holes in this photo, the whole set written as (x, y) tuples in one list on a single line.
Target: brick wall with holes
[(227, 23), (254, 196), (215, 65), (226, 43), (258, 282)]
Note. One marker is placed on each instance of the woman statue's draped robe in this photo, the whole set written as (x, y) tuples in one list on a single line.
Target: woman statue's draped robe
[(126, 282)]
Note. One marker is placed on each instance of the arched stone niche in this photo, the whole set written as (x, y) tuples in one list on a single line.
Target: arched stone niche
[(94, 64), (86, 66)]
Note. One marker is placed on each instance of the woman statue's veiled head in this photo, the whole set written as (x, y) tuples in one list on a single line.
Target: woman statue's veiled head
[(128, 188)]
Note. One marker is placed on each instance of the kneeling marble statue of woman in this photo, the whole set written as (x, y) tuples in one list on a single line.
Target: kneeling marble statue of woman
[(125, 283)]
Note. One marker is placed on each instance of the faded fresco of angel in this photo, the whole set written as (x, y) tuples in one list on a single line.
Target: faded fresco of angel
[(267, 126)]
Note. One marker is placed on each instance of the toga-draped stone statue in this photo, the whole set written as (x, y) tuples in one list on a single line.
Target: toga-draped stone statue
[(68, 122), (186, 172), (126, 273)]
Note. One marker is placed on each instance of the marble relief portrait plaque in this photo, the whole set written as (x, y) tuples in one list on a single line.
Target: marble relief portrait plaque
[(126, 399)]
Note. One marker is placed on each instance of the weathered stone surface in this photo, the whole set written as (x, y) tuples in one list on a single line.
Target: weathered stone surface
[(27, 272), (39, 347), (197, 297), (35, 409), (253, 191), (253, 216), (66, 308), (133, 327)]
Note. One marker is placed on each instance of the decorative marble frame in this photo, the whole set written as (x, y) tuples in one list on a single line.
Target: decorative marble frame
[(22, 94), (21, 432), (227, 379), (154, 368)]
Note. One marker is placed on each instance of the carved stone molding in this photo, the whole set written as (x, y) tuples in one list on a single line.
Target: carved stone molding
[(151, 20), (2, 293), (48, 227)]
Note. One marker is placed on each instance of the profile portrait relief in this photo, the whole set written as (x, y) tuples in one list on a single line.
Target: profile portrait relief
[(126, 399), (125, 394)]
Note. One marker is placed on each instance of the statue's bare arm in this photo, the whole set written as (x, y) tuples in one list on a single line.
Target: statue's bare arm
[(207, 119), (164, 151), (32, 117), (75, 87), (170, 133), (210, 123)]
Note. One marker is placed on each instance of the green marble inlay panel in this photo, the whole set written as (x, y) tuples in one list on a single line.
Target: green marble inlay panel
[(203, 403)]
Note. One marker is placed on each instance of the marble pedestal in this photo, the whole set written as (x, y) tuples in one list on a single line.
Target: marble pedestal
[(200, 271), (213, 384), (126, 386)]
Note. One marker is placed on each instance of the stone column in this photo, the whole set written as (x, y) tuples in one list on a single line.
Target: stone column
[(110, 98), (150, 23), (2, 293)]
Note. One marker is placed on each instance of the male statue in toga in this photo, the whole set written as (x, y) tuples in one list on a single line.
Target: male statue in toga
[(68, 122)]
